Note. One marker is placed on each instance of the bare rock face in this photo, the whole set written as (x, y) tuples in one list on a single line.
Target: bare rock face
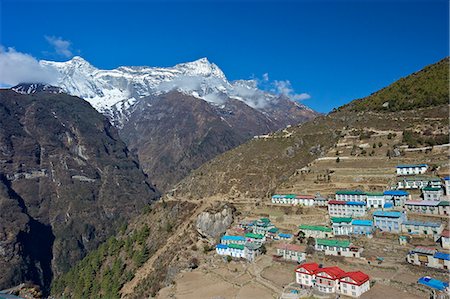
[(214, 222), (67, 182)]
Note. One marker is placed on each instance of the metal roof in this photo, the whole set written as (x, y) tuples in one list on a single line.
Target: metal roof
[(421, 223), (362, 222), (392, 214), (433, 283)]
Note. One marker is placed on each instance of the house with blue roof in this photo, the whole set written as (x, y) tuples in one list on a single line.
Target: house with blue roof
[(389, 221), (396, 197), (423, 228), (434, 284), (362, 227), (411, 169)]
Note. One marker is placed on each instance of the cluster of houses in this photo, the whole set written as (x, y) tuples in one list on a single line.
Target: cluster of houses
[(428, 257), (249, 246), (332, 280)]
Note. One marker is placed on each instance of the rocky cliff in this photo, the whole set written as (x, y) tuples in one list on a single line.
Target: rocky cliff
[(67, 182)]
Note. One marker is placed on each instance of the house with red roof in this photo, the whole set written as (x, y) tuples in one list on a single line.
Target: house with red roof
[(305, 274), (332, 280), (327, 279), (354, 284)]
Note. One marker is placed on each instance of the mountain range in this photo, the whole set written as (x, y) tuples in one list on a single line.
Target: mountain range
[(179, 117)]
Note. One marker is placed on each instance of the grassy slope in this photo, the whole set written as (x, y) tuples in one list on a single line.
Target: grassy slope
[(425, 88)]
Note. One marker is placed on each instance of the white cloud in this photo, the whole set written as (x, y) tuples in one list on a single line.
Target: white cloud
[(62, 47), (266, 76), (285, 88), (17, 67)]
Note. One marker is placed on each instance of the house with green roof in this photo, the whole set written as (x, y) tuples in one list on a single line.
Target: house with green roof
[(257, 238), (375, 200), (444, 208), (432, 193), (316, 231), (342, 226), (338, 248), (262, 226)]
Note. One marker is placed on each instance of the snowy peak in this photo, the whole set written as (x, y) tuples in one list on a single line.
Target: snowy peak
[(201, 67), (115, 92)]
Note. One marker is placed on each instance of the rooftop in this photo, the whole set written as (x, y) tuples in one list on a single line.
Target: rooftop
[(333, 243), (431, 203), (411, 165), (336, 202), (433, 283), (315, 227), (362, 222), (422, 223), (286, 236), (341, 219), (254, 236), (374, 193), (233, 238), (392, 214), (357, 276), (431, 189), (445, 233), (236, 246), (424, 250), (444, 203), (442, 256), (356, 203), (310, 267), (291, 247), (334, 272), (396, 193), (350, 192)]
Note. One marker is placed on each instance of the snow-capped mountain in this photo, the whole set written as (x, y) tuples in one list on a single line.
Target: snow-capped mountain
[(114, 92)]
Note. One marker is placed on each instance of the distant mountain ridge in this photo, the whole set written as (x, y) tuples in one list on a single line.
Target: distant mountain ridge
[(176, 118), (114, 92)]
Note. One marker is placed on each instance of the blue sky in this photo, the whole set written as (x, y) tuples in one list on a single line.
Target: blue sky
[(335, 51)]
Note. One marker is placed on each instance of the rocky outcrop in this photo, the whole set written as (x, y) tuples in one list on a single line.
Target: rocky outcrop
[(214, 222), (67, 182)]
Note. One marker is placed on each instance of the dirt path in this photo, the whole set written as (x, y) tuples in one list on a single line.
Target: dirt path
[(147, 268)]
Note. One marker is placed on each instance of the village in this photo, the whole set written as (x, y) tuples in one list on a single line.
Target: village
[(411, 214)]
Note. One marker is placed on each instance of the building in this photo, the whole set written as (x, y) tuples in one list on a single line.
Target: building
[(428, 257), (428, 229), (354, 284), (444, 208), (328, 279), (332, 280), (338, 248), (375, 200), (396, 197), (411, 169), (420, 256), (418, 182), (305, 274), (388, 221), (256, 238), (292, 199), (445, 239), (350, 195), (339, 208), (285, 237), (435, 284), (287, 199), (316, 231), (447, 185), (428, 207), (362, 227), (431, 193), (262, 226), (320, 201), (233, 239), (291, 252), (341, 225), (252, 250), (248, 251)]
